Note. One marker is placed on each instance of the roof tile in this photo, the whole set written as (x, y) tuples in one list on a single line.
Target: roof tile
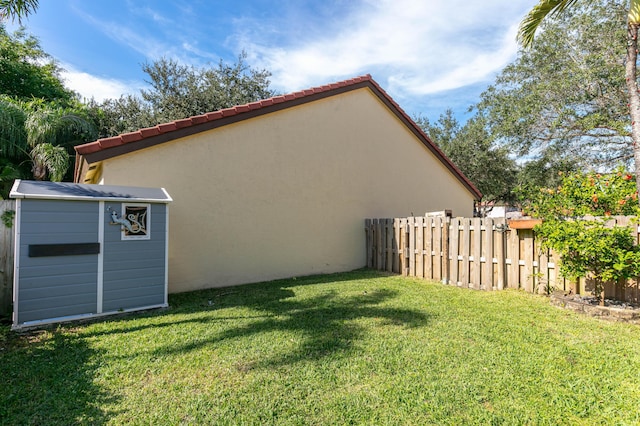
[(214, 115), (186, 122), (167, 127), (199, 119), (131, 137), (149, 131), (110, 142)]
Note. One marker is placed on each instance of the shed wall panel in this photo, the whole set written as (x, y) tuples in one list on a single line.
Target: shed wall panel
[(134, 273), (59, 286)]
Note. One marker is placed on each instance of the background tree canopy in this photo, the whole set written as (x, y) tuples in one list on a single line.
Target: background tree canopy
[(178, 91), (27, 71), (470, 148), (566, 96)]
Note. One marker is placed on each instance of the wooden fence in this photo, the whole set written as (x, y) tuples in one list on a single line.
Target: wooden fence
[(483, 254), (6, 261)]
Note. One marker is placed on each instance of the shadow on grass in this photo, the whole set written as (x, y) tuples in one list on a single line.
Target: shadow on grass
[(326, 323), (48, 379)]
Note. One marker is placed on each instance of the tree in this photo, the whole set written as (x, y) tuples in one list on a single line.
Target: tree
[(40, 120), (566, 95), (547, 8), (43, 134), (125, 114), (26, 71), (471, 148), (178, 91), (17, 9)]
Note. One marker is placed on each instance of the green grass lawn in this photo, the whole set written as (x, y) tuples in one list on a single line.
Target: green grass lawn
[(352, 348)]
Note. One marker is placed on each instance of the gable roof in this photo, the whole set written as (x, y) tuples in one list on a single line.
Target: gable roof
[(106, 148)]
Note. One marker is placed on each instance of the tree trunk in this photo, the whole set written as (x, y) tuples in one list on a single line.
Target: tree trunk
[(632, 88)]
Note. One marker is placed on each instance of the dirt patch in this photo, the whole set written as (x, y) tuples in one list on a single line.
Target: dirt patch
[(613, 310)]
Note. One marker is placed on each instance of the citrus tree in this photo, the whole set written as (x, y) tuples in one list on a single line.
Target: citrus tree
[(577, 224)]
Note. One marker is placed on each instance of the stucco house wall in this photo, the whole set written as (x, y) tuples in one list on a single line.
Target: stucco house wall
[(286, 193)]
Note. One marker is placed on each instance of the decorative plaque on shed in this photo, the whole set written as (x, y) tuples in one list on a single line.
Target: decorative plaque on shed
[(138, 220)]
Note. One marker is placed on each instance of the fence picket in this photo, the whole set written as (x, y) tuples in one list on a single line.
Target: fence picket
[(487, 254), (6, 260), (420, 247), (501, 254), (513, 256), (454, 250), (464, 252), (475, 269)]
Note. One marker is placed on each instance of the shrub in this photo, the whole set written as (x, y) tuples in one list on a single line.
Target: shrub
[(576, 225)]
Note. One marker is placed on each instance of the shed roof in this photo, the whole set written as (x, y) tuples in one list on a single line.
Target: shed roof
[(84, 192), (106, 148)]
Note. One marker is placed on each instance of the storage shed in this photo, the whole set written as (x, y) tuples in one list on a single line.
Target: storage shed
[(87, 250)]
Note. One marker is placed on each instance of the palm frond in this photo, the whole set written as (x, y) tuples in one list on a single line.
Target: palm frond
[(531, 22), (49, 159), (634, 12), (13, 139), (57, 126), (17, 9)]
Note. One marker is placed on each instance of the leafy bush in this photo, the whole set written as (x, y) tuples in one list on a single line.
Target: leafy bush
[(576, 224)]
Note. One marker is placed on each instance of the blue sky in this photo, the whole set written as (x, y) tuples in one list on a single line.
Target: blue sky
[(428, 55)]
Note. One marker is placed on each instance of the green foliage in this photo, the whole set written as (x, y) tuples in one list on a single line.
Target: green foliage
[(7, 217), (586, 194), (35, 109), (9, 172), (545, 171), (179, 91), (125, 114), (535, 17), (567, 94), (17, 9), (26, 125), (590, 246), (471, 148), (51, 160), (27, 71), (13, 136)]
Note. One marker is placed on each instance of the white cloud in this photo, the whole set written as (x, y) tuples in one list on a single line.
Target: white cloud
[(99, 88), (414, 47)]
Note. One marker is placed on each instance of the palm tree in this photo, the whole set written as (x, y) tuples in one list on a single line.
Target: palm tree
[(17, 9), (544, 8), (42, 134)]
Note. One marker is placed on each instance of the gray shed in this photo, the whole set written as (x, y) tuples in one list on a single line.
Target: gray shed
[(87, 250)]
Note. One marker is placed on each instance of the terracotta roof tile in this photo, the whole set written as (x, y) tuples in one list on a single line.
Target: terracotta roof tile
[(131, 137), (89, 148), (150, 131), (167, 127), (110, 142)]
